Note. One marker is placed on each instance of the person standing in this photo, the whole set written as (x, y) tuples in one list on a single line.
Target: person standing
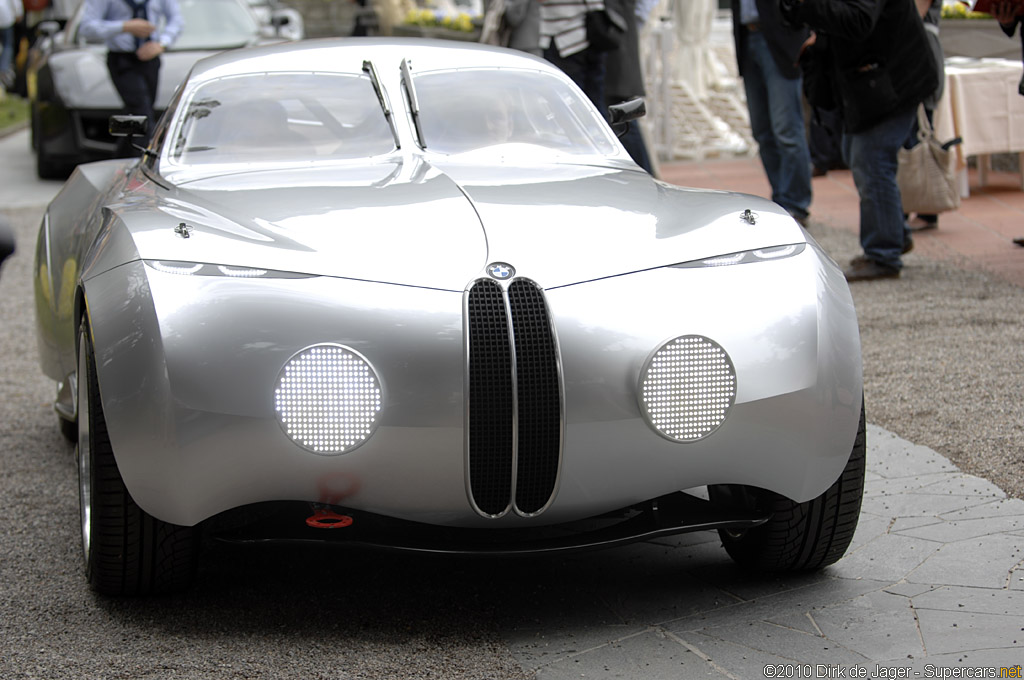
[(767, 53), (10, 14), (931, 12), (134, 46), (523, 17), (881, 67), (624, 80), (564, 39), (1006, 14)]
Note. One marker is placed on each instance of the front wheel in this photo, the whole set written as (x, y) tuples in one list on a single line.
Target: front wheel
[(126, 550), (46, 166), (799, 536)]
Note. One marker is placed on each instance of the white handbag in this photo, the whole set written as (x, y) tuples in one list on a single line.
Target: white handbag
[(926, 176)]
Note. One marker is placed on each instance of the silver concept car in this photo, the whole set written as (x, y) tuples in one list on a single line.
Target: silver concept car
[(415, 294)]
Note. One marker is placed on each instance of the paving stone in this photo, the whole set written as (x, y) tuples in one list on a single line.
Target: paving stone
[(922, 505), (583, 624), (1017, 579), (869, 527), (801, 621), (961, 484), (876, 625), (891, 457), (1000, 508), (973, 600), (909, 589), (944, 631), (984, 562), (888, 558), (966, 529), (738, 660), (746, 586), (901, 524), (647, 585), (797, 600), (900, 485), (651, 655), (788, 643)]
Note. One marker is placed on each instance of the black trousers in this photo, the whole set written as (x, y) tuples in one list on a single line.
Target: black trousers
[(586, 69), (136, 81)]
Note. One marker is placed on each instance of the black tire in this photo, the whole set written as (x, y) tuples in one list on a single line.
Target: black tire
[(126, 550), (46, 167), (799, 536), (33, 139)]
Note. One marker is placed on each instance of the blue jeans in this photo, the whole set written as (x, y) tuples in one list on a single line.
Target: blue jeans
[(871, 155), (7, 48), (777, 123)]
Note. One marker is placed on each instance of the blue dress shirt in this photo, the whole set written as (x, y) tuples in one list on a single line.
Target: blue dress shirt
[(748, 12), (104, 20)]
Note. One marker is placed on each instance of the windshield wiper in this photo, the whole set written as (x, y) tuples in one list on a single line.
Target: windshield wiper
[(382, 98), (414, 104)]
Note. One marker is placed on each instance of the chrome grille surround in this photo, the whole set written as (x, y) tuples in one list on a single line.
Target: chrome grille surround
[(514, 399)]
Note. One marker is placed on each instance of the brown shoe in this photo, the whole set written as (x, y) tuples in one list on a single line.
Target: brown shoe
[(863, 269)]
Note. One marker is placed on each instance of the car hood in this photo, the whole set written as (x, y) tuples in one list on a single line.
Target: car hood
[(81, 78), (440, 225)]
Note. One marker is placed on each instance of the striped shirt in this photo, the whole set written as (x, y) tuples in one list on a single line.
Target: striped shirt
[(564, 22)]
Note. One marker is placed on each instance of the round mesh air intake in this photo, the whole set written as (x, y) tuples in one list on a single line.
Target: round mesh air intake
[(327, 399), (687, 388)]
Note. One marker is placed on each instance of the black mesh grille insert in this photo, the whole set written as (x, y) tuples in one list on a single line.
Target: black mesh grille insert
[(538, 399), (490, 399), (539, 403)]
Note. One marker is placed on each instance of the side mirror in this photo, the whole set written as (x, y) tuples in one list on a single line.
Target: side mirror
[(619, 115), (128, 126)]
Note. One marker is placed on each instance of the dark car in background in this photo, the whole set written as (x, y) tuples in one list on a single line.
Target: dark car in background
[(72, 96)]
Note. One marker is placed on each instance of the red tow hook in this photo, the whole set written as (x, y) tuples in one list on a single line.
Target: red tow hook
[(334, 488), (325, 518)]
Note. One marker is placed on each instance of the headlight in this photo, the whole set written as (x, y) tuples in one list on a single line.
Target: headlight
[(746, 256), (201, 269), (327, 399), (687, 388)]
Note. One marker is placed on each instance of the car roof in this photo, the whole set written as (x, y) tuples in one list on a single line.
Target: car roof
[(346, 55)]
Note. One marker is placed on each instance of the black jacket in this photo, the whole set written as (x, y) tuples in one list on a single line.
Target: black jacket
[(875, 47), (784, 41)]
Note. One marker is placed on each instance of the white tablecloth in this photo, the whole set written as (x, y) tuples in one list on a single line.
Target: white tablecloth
[(981, 105)]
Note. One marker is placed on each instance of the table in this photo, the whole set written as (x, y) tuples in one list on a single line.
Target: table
[(981, 105)]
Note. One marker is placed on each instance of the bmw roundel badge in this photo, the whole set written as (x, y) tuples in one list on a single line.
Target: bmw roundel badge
[(501, 270)]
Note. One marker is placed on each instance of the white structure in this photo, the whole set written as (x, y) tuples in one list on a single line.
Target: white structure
[(696, 106)]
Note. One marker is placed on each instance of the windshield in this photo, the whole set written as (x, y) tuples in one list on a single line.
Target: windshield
[(215, 24), (471, 109), (284, 117)]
